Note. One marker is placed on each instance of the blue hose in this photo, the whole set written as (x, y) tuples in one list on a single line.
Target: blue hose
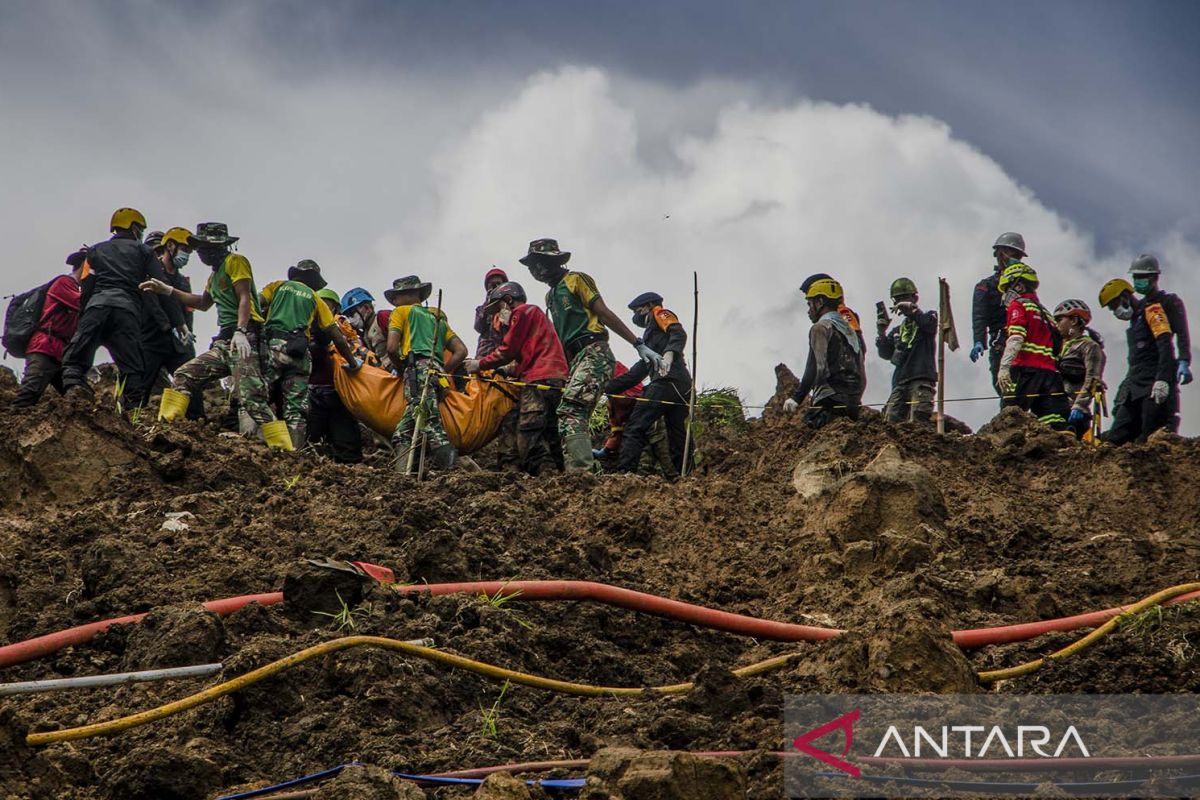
[(567, 783)]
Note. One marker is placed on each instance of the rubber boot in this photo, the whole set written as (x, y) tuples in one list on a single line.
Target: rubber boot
[(443, 457), (577, 452)]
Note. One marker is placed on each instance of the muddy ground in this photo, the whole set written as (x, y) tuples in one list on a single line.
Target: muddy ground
[(892, 532)]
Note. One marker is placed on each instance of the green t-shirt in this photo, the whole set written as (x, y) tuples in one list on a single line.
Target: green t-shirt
[(234, 269), (416, 325), (570, 303), (291, 306)]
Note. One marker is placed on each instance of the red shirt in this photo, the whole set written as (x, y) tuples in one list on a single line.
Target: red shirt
[(533, 344), (60, 315), (1026, 318)]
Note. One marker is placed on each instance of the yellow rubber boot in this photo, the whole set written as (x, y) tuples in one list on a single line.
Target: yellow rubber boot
[(173, 406), (277, 435)]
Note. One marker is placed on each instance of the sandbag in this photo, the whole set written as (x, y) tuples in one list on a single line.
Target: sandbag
[(376, 397)]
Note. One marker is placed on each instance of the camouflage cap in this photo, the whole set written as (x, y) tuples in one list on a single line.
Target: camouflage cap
[(544, 250), (211, 233), (410, 283), (307, 272)]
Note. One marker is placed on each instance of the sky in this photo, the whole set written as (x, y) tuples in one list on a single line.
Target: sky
[(752, 143)]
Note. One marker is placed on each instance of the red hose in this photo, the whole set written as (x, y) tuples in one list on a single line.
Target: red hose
[(31, 649), (20, 652), (634, 601)]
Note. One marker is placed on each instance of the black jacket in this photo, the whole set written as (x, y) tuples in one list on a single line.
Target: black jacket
[(833, 372), (1151, 357), (915, 360), (119, 266), (987, 311), (664, 334)]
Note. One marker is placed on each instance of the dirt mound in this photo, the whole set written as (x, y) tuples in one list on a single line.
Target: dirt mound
[(892, 532)]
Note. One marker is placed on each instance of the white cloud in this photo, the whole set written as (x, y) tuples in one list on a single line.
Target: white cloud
[(378, 174)]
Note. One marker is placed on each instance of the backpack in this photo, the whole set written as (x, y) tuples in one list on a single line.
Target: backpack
[(22, 319)]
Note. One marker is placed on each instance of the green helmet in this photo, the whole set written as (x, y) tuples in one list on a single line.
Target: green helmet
[(902, 286), (331, 296)]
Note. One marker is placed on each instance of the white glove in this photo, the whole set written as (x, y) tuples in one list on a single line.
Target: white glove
[(156, 286), (652, 359), (790, 406), (665, 365), (241, 345), (1160, 391), (471, 365)]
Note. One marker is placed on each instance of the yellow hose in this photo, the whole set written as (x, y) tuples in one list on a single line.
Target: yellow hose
[(1093, 637), (429, 654)]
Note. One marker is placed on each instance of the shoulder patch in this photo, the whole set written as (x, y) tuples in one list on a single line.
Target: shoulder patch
[(665, 318), (1156, 318)]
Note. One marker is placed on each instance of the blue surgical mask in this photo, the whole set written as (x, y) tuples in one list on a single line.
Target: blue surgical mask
[(180, 259), (1143, 285)]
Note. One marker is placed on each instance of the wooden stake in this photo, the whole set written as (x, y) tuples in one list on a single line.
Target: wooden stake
[(687, 439), (941, 367)]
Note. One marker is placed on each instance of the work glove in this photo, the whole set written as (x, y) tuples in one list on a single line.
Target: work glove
[(790, 406), (241, 345), (599, 453), (1076, 416), (155, 286), (471, 365), (1160, 391), (353, 365), (976, 351), (652, 359), (664, 367), (1005, 381), (184, 336), (1184, 373)]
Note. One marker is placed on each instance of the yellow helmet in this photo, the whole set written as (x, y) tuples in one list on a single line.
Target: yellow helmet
[(1017, 272), (124, 218), (177, 235), (1114, 289), (825, 287)]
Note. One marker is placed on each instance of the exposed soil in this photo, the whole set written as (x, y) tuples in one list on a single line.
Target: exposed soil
[(892, 532)]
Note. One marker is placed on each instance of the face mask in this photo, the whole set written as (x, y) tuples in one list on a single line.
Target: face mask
[(212, 258), (639, 320), (180, 259), (1123, 312), (1142, 285), (505, 315)]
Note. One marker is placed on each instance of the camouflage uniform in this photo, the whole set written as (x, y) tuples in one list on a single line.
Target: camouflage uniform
[(414, 381), (591, 371), (291, 375), (221, 360)]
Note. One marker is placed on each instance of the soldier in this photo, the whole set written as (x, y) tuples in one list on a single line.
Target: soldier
[(911, 348), (582, 321), (235, 350)]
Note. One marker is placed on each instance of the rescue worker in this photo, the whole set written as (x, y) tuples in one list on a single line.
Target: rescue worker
[(112, 307), (418, 337), (911, 348), (1148, 398), (620, 406), (1145, 272), (235, 350), (531, 343), (834, 371), (847, 313), (56, 326), (988, 308), (490, 335), (666, 396), (358, 306), (1081, 362), (1028, 374), (582, 321), (293, 310), (330, 423), (165, 347)]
